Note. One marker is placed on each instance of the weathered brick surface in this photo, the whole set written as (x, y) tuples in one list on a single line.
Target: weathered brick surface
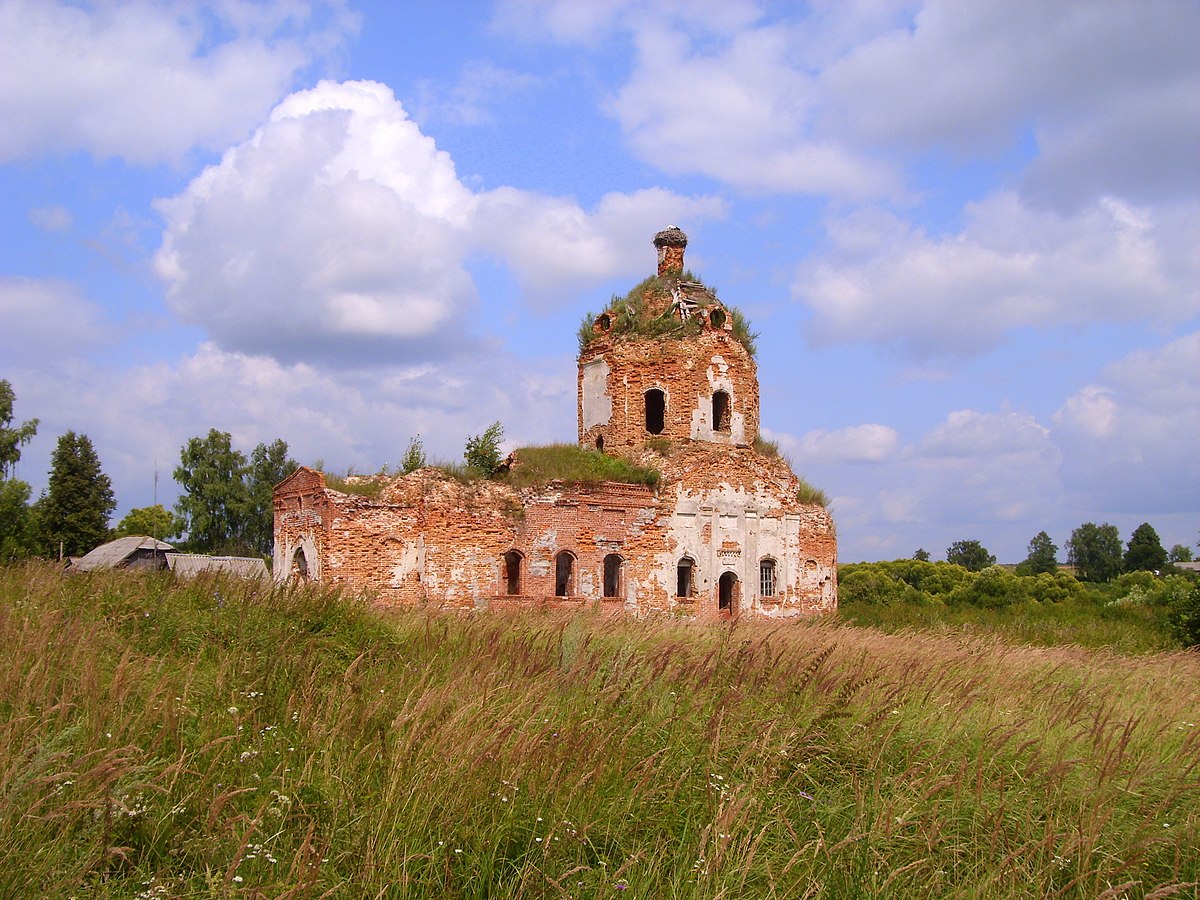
[(722, 506), (615, 374)]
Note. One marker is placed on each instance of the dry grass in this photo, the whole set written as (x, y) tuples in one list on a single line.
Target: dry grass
[(211, 739)]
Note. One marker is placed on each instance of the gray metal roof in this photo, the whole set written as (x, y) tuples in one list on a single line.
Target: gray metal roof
[(114, 553), (187, 565)]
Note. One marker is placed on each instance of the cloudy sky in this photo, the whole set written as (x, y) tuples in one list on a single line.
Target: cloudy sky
[(967, 231)]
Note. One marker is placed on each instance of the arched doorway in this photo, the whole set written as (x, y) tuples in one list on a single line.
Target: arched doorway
[(300, 565), (612, 575), (512, 572), (727, 595), (564, 574)]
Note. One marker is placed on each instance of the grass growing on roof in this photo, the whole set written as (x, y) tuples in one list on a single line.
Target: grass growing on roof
[(359, 486), (806, 493), (628, 318), (569, 462)]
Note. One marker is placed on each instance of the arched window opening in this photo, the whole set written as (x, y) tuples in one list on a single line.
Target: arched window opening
[(685, 578), (300, 565), (766, 578), (600, 443), (727, 593), (720, 411), (512, 573), (604, 322), (612, 575), (564, 574), (656, 409), (717, 317)]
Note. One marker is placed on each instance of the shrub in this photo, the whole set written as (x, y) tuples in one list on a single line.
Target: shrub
[(1184, 616), (1053, 588), (992, 588), (483, 450), (871, 585)]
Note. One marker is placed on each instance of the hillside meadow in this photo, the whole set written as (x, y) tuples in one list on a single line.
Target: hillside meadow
[(225, 739)]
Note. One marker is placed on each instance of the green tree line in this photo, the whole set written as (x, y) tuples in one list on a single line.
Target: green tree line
[(225, 504)]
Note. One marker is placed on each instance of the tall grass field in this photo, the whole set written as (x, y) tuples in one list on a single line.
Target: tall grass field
[(220, 738)]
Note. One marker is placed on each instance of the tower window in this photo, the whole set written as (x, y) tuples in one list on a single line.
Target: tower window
[(656, 408), (720, 411), (717, 318)]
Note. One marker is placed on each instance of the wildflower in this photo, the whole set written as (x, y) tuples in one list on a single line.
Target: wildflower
[(233, 710), (806, 795), (238, 879)]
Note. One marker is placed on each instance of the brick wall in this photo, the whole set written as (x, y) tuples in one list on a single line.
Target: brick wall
[(429, 539), (616, 372)]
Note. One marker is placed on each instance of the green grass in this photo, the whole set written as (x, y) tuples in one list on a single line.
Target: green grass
[(572, 463), (1137, 612), (359, 486), (806, 493), (216, 739)]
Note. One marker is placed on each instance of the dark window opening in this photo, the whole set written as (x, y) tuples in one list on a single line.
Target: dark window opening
[(727, 593), (684, 577), (600, 443), (512, 572), (766, 578), (300, 565), (656, 408), (612, 575), (717, 317), (720, 411), (564, 574), (604, 322)]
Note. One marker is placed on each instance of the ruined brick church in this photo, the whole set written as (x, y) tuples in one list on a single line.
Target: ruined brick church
[(666, 380)]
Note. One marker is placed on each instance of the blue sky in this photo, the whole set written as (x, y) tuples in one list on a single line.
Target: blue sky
[(967, 233)]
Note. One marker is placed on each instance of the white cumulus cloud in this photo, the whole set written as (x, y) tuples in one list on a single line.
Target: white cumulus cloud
[(1011, 265), (149, 80), (339, 231)]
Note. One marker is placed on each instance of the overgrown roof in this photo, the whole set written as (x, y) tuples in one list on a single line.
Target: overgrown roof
[(675, 306)]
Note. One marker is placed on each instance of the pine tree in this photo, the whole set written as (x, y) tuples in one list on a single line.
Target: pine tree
[(73, 513)]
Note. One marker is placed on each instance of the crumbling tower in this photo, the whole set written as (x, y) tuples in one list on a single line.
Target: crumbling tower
[(668, 362)]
